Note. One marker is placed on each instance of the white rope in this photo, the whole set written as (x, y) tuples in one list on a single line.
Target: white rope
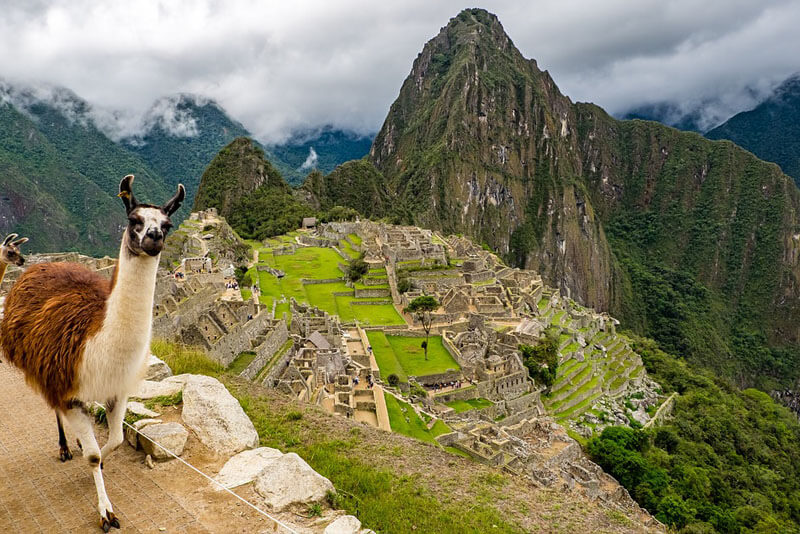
[(190, 466)]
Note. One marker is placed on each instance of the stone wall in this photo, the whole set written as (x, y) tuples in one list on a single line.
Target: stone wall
[(366, 293), (266, 350)]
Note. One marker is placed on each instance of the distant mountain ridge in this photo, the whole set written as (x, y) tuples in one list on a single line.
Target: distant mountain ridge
[(771, 130)]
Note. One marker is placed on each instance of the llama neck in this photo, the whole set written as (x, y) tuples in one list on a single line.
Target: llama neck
[(130, 305), (2, 271)]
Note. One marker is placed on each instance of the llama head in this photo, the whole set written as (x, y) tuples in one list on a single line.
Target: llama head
[(9, 250), (147, 224)]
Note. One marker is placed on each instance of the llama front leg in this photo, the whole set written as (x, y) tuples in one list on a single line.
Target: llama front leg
[(64, 453), (80, 422), (115, 414)]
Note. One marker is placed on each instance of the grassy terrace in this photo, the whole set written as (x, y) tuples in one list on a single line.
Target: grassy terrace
[(472, 404), (241, 362), (404, 420), (318, 263), (404, 356)]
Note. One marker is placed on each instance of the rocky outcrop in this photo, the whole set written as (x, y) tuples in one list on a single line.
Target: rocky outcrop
[(246, 466), (215, 416), (157, 369), (289, 481)]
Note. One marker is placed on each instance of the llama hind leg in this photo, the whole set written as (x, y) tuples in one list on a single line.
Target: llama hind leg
[(81, 423), (115, 414), (64, 453)]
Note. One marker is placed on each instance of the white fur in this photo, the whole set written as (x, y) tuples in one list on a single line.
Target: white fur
[(114, 357)]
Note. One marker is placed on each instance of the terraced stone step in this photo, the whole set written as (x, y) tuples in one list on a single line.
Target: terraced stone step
[(575, 384), (579, 408), (575, 397)]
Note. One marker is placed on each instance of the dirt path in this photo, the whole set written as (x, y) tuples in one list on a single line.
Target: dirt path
[(40, 494)]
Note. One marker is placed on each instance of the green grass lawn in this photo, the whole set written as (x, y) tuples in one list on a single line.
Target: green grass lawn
[(385, 356), (404, 420), (412, 357), (355, 239), (472, 404), (404, 356), (348, 249), (315, 263), (241, 362)]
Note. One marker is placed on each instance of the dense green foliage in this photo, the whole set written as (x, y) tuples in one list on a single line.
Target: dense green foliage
[(357, 268), (182, 158), (356, 184), (726, 461), (771, 131), (59, 177), (541, 360), (249, 192)]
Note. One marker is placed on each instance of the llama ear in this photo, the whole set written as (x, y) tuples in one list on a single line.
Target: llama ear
[(174, 203), (9, 238), (126, 193), (18, 242)]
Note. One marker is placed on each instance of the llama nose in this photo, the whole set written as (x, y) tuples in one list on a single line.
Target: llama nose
[(155, 234)]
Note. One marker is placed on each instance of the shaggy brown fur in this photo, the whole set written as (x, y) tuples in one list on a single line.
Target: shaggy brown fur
[(49, 351)]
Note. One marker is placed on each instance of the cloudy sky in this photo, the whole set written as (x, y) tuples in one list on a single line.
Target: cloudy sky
[(281, 66)]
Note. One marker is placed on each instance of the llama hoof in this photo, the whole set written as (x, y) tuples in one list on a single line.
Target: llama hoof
[(64, 454), (105, 525), (112, 520)]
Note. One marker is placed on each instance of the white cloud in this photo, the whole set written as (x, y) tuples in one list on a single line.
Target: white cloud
[(277, 67), (311, 160)]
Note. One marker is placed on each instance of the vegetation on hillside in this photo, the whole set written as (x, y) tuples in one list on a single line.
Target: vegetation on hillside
[(541, 360), (727, 460)]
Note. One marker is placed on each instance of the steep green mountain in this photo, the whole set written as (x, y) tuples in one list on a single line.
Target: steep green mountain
[(247, 190), (322, 149), (182, 135), (59, 174), (356, 184), (689, 241), (771, 130)]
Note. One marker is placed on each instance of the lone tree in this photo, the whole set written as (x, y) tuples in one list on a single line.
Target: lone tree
[(422, 309)]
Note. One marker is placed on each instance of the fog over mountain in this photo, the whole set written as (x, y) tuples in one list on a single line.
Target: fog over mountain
[(281, 68)]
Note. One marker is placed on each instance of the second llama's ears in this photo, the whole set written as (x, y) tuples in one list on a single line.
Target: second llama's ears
[(20, 241), (126, 193), (174, 203), (9, 238)]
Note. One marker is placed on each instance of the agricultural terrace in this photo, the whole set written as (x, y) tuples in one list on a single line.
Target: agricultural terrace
[(315, 263), (404, 356), (405, 420)]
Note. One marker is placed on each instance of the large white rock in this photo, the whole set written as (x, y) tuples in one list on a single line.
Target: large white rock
[(149, 389), (347, 524), (157, 369), (245, 466), (216, 417), (172, 436), (289, 480)]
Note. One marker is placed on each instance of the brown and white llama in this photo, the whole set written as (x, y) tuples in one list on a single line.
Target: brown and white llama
[(80, 338)]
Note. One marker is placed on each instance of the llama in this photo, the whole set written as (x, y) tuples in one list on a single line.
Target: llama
[(10, 254), (80, 338)]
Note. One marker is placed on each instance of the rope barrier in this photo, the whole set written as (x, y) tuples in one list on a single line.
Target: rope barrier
[(196, 470)]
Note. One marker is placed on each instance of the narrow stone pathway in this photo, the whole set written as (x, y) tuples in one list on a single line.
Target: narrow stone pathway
[(38, 493)]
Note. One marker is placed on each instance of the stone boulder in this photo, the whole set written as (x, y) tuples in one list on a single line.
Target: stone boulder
[(172, 436), (289, 480), (216, 416), (149, 389), (137, 408), (245, 466), (346, 524), (157, 369), (131, 436)]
